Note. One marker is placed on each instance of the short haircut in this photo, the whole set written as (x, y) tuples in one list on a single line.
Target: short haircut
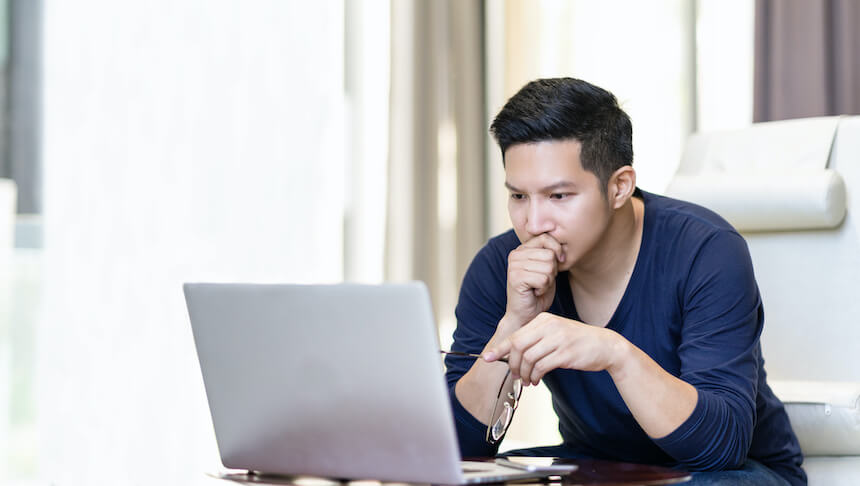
[(569, 109)]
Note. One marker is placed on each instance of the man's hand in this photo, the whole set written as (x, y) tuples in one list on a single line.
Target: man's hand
[(550, 341), (532, 269), (660, 402)]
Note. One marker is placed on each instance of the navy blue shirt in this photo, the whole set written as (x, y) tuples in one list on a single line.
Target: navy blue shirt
[(692, 304)]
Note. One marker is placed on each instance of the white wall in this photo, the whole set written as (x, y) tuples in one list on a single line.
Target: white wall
[(726, 42)]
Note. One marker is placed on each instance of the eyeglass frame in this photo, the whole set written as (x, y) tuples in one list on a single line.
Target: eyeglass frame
[(509, 404)]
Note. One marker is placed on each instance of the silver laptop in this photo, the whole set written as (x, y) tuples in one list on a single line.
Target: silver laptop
[(341, 381)]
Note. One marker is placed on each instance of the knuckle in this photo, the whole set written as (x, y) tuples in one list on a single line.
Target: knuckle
[(529, 356), (517, 345), (545, 255)]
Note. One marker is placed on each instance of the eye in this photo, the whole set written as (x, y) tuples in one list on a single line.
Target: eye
[(559, 195), (517, 197)]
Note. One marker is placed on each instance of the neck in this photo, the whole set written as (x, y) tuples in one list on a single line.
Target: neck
[(612, 259)]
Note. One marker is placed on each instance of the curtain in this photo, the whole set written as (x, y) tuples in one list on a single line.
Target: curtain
[(437, 137), (21, 103), (807, 58)]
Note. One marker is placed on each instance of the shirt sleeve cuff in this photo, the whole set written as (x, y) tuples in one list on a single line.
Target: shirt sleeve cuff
[(705, 440), (675, 443)]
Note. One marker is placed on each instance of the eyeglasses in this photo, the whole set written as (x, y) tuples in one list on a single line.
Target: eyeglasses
[(506, 401)]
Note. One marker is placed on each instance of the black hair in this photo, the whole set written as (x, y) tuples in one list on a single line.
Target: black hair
[(565, 109)]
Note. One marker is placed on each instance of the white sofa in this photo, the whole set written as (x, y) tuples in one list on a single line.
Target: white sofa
[(793, 189)]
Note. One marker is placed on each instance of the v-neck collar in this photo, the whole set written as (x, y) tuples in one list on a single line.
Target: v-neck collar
[(564, 295)]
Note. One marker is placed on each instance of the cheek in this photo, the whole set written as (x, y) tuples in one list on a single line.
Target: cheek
[(517, 214), (518, 221), (581, 224)]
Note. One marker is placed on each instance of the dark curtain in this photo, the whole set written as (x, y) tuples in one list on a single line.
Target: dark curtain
[(807, 58)]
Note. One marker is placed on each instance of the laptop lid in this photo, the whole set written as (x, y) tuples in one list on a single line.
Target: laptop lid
[(339, 380)]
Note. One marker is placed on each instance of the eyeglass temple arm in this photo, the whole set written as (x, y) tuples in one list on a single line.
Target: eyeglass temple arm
[(468, 355)]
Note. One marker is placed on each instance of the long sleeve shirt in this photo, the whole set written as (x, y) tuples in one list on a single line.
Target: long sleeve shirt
[(692, 304)]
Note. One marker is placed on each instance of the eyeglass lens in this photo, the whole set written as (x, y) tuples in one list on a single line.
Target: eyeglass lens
[(503, 411)]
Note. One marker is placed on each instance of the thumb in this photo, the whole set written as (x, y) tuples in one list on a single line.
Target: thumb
[(500, 350)]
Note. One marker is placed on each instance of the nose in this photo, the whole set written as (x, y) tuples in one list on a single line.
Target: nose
[(538, 220)]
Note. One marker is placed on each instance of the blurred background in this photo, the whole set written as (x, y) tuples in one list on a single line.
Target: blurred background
[(150, 143)]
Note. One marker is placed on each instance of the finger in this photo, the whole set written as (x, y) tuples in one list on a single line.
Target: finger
[(521, 341), (545, 263), (514, 356), (548, 289), (542, 346), (546, 241), (545, 267), (498, 351), (523, 256), (528, 281), (543, 366), (539, 261)]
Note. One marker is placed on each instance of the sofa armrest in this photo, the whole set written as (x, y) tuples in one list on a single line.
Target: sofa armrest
[(825, 415)]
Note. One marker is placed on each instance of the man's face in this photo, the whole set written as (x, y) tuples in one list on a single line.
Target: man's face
[(551, 193)]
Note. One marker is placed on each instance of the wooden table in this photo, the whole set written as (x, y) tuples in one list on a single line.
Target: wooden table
[(590, 472), (608, 473)]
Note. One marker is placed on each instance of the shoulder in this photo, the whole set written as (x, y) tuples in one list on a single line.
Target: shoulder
[(683, 229), (494, 254), (710, 260), (672, 213), (488, 272), (691, 245), (483, 291)]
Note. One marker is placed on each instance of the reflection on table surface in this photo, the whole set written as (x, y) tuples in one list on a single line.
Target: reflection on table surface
[(590, 472)]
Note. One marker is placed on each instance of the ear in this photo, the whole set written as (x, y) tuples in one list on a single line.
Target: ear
[(621, 185)]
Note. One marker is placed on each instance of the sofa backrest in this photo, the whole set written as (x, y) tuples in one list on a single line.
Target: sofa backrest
[(798, 217)]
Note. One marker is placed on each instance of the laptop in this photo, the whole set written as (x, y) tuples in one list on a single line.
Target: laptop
[(342, 381)]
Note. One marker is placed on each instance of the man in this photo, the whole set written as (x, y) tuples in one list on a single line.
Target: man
[(640, 313)]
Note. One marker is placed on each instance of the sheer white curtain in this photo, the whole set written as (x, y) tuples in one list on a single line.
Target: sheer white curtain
[(640, 51), (183, 141), (724, 68), (676, 66)]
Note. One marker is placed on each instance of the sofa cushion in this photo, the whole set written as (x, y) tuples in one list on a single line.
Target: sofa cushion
[(832, 471), (825, 415)]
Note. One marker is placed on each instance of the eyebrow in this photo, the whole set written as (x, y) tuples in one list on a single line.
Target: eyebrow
[(549, 188)]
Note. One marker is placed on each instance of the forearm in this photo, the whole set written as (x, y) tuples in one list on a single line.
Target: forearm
[(478, 388), (659, 402)]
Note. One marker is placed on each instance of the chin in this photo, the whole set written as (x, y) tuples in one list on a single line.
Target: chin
[(567, 265)]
